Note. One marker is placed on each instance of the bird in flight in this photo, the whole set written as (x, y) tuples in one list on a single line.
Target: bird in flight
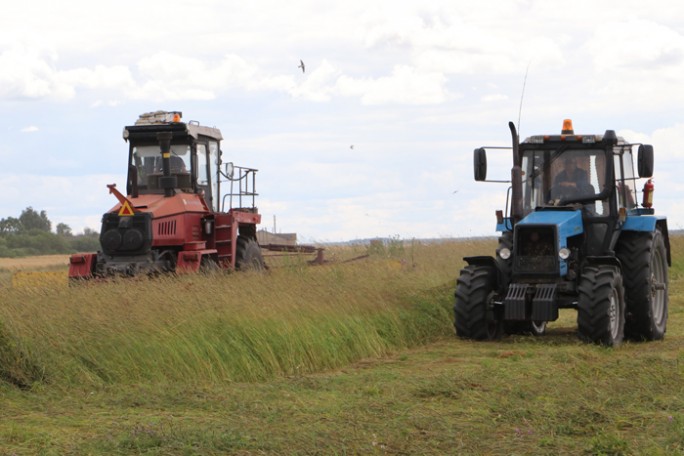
[(301, 65)]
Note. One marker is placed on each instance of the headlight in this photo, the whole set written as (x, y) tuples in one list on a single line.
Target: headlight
[(564, 253), (505, 253)]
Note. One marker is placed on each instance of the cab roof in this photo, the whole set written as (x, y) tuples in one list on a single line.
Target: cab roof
[(568, 135), (149, 124)]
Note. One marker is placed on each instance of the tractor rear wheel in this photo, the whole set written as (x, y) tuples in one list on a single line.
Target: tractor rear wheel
[(644, 268), (475, 317), (601, 308), (248, 255)]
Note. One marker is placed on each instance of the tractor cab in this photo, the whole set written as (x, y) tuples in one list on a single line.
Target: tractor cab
[(580, 170), (563, 176), (192, 163)]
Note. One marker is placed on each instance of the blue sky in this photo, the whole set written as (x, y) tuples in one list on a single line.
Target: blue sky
[(413, 88)]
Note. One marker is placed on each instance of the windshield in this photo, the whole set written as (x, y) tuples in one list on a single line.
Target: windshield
[(553, 177), (148, 161)]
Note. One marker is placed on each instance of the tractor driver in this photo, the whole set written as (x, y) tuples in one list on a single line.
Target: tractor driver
[(177, 165), (572, 181)]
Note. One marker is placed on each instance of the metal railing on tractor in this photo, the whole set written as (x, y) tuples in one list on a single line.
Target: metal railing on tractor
[(245, 181)]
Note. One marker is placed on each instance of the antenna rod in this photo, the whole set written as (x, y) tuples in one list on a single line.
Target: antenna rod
[(522, 95)]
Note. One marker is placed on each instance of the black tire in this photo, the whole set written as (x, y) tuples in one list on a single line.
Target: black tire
[(248, 255), (209, 265), (475, 318), (532, 328), (644, 270), (601, 308), (167, 261)]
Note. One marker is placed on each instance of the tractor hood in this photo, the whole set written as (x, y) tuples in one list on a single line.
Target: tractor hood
[(569, 223), (161, 206), (540, 236)]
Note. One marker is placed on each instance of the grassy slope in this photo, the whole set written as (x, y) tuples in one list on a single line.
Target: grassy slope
[(522, 395)]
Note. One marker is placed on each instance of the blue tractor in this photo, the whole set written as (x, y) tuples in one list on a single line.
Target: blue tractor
[(573, 236)]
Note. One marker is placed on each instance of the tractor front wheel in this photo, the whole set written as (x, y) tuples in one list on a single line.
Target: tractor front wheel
[(475, 317), (248, 255), (209, 265), (601, 308)]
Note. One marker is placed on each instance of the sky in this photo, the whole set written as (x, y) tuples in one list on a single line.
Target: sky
[(374, 139)]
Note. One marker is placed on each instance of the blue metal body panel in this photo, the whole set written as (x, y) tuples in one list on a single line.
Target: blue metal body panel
[(507, 225), (566, 223), (642, 222), (569, 223)]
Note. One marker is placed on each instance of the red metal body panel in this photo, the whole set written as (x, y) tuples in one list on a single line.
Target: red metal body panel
[(176, 220), (81, 265), (162, 206), (179, 222), (190, 261)]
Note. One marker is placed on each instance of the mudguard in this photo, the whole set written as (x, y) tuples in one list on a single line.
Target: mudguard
[(501, 282)]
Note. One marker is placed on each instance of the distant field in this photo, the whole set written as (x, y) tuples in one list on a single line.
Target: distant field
[(19, 271), (35, 262), (348, 358)]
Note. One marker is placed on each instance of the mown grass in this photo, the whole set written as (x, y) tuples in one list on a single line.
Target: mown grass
[(355, 358)]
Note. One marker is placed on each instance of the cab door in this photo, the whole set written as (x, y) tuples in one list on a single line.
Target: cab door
[(204, 184), (207, 154)]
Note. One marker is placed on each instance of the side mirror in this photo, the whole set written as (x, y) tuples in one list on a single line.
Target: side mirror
[(480, 164), (645, 160), (230, 169)]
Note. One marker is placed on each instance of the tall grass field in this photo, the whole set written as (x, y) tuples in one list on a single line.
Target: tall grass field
[(352, 357)]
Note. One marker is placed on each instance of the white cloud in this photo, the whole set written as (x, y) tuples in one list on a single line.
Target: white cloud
[(406, 85), (29, 74), (638, 63), (166, 76), (414, 86), (494, 97), (100, 77), (667, 142), (636, 45), (318, 84)]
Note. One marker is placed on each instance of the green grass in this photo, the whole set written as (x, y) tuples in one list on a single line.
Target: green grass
[(355, 358), (242, 327)]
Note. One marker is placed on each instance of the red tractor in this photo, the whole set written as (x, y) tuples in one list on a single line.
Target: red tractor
[(174, 217)]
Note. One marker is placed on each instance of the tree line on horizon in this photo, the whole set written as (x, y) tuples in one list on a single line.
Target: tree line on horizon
[(31, 234)]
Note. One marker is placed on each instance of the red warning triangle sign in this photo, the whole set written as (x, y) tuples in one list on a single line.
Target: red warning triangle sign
[(126, 209)]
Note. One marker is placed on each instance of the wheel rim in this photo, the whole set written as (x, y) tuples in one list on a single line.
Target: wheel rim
[(614, 315), (658, 287), (538, 327)]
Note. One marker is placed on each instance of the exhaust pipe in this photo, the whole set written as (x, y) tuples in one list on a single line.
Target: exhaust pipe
[(516, 178)]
